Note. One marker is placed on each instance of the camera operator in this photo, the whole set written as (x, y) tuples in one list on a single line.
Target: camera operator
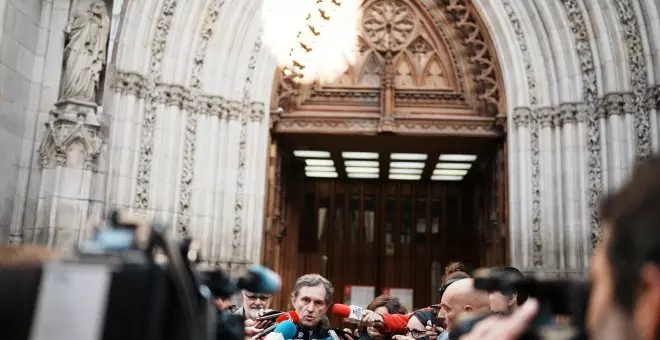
[(507, 302), (625, 269)]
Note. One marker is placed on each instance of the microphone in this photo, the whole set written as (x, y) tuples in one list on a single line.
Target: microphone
[(270, 315), (284, 330), (333, 335), (289, 316), (352, 313), (260, 280)]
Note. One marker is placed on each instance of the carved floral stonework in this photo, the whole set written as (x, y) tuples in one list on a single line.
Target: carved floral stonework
[(616, 104), (524, 49), (594, 167), (638, 78), (194, 106), (61, 135), (152, 100), (389, 25)]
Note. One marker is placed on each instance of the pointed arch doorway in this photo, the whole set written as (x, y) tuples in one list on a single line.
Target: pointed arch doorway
[(396, 168)]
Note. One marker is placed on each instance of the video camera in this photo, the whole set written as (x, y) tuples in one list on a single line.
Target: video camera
[(129, 282), (557, 298)]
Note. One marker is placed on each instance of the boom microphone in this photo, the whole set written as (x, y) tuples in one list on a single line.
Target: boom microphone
[(289, 316)]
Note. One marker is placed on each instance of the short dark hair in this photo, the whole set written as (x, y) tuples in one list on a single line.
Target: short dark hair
[(632, 215), (511, 273)]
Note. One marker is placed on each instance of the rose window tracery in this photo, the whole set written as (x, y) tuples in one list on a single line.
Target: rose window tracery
[(389, 25)]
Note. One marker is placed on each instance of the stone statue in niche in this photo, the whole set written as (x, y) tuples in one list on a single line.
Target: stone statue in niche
[(85, 53)]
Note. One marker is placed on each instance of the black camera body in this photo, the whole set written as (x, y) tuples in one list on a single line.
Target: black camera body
[(556, 298), (131, 282)]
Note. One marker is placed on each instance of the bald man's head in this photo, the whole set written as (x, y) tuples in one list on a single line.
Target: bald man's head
[(460, 297)]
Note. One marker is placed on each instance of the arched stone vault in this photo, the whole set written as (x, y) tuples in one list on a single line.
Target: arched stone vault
[(578, 76), (186, 121)]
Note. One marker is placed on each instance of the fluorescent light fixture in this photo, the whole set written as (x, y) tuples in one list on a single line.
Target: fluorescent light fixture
[(459, 166), (406, 171), (321, 174), (311, 154), (319, 162), (405, 177), (360, 155), (409, 156), (361, 163), (361, 170), (446, 178), (358, 175), (409, 165), (320, 168), (449, 172), (458, 158)]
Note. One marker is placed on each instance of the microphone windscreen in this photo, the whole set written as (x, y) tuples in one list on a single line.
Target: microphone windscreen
[(341, 310), (287, 328), (289, 316), (260, 280)]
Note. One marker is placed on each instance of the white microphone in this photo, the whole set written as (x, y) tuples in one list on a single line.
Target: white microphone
[(333, 335), (274, 336)]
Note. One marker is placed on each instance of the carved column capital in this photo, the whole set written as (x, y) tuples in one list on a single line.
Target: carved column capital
[(521, 116)]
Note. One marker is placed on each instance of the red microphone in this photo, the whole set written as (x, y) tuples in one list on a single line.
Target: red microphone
[(291, 316), (351, 313)]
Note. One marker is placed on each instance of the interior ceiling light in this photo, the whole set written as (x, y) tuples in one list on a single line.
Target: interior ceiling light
[(361, 163), (405, 177), (362, 170), (311, 154), (458, 158), (321, 174), (409, 156), (406, 171), (410, 165), (319, 162), (460, 166), (449, 172), (359, 155), (320, 168), (446, 178), (359, 175)]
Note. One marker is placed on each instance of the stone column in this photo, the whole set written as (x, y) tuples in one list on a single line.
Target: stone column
[(70, 148)]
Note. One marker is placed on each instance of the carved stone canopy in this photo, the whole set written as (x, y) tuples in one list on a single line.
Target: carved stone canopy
[(414, 61)]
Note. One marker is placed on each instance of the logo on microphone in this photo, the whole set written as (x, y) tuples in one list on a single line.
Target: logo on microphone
[(356, 313)]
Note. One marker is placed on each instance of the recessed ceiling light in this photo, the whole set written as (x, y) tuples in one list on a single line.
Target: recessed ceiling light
[(362, 170), (458, 158), (319, 162), (360, 155), (320, 168), (361, 163), (311, 154), (410, 165), (462, 166), (409, 156), (358, 175), (406, 171), (405, 177), (449, 172), (446, 178), (321, 174)]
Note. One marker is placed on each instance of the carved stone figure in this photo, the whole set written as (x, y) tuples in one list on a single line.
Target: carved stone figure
[(85, 53)]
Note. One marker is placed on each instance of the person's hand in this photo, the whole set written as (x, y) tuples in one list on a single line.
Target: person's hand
[(504, 328), (368, 318), (402, 337), (433, 331), (348, 331), (251, 329)]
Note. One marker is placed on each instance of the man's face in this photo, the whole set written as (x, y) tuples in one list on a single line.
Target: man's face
[(499, 302), (450, 309), (255, 304), (605, 320), (310, 305)]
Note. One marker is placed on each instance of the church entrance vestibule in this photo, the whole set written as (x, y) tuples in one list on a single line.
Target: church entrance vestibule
[(396, 168)]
